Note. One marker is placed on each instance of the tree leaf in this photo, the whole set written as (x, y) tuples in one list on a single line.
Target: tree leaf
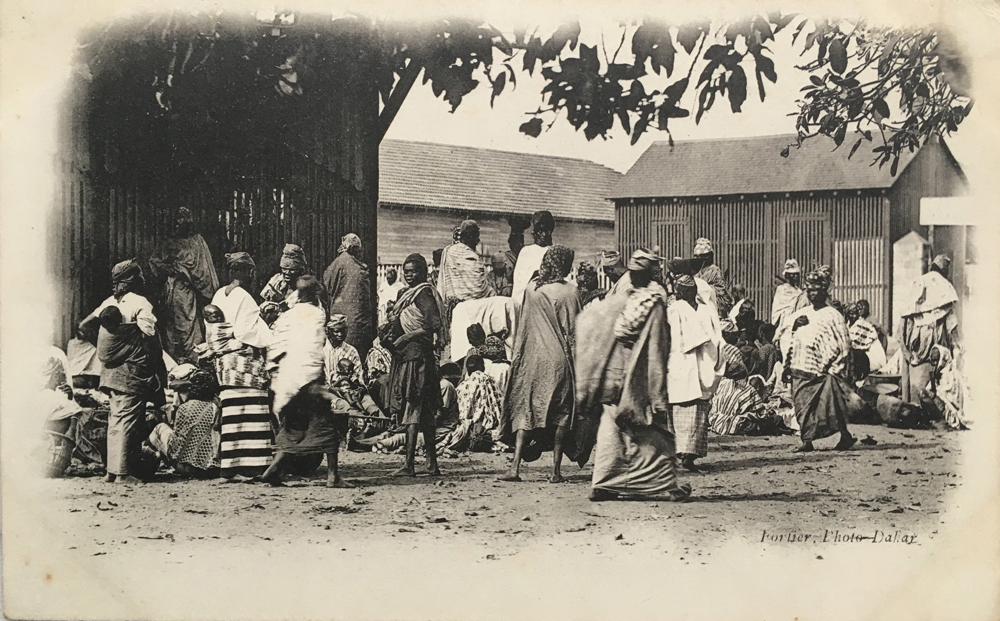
[(625, 121), (881, 107), (532, 128), (675, 91), (663, 54), (840, 134), (498, 85), (816, 80), (838, 56), (689, 34), (854, 148), (895, 166), (784, 152), (737, 89)]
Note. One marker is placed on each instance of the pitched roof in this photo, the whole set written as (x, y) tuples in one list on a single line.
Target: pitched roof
[(752, 166), (470, 179)]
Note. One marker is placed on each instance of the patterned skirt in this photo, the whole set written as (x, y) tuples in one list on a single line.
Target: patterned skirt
[(690, 421), (247, 443)]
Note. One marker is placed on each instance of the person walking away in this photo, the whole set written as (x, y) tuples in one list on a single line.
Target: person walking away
[(240, 361), (694, 368), (586, 280), (929, 320), (129, 386), (530, 258), (413, 324), (817, 364), (499, 277), (308, 423), (349, 293), (712, 274), (388, 289), (540, 397), (621, 375), (182, 266)]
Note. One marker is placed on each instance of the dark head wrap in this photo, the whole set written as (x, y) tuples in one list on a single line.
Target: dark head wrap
[(126, 271), (235, 259), (681, 267), (204, 386), (942, 261), (586, 276), (420, 263), (293, 257), (643, 260), (556, 265), (494, 349), (184, 215), (468, 226), (476, 335), (685, 281), (819, 277), (543, 221)]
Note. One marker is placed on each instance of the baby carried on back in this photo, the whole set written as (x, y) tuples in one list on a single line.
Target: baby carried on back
[(134, 359)]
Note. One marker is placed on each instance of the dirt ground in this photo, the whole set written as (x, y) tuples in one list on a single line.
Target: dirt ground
[(753, 488)]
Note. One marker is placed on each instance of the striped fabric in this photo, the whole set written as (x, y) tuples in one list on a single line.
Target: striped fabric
[(247, 431), (732, 403)]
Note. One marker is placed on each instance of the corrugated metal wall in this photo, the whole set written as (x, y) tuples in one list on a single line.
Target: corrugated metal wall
[(753, 235)]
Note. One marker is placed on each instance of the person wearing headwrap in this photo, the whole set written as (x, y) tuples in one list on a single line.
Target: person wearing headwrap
[(929, 321), (310, 422), (337, 348), (586, 280), (136, 374), (695, 367), (247, 438), (388, 288), (413, 333), (462, 275), (621, 385), (191, 443), (788, 296), (183, 274), (819, 365), (349, 293), (530, 258), (279, 294), (499, 277), (538, 406), (712, 274), (867, 352), (496, 365), (611, 265)]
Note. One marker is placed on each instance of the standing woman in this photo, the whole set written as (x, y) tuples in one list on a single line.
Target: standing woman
[(350, 293), (540, 396), (818, 363), (415, 392), (247, 434)]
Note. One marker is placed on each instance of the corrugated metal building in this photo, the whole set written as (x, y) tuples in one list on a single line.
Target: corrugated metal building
[(427, 189), (759, 208)]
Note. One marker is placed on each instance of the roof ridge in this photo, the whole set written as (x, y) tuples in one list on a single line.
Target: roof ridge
[(791, 135), (423, 143)]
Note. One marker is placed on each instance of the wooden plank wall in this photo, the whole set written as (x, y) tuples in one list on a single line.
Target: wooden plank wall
[(745, 232)]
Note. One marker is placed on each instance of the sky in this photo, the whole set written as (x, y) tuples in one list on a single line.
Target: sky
[(423, 117)]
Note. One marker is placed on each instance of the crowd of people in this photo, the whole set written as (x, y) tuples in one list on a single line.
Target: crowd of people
[(523, 353)]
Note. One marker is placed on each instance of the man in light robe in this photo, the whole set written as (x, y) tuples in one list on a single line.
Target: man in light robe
[(182, 267), (530, 257), (695, 367), (788, 297), (462, 275)]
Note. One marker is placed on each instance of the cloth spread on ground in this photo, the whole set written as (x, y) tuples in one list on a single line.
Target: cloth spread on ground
[(186, 265), (349, 290), (297, 360), (495, 314), (462, 275)]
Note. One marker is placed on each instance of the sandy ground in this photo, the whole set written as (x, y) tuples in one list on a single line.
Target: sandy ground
[(751, 486)]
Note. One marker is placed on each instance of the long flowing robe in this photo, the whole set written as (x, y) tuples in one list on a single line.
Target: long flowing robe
[(462, 276), (350, 294), (387, 293), (625, 384), (928, 320), (528, 262), (694, 369), (819, 359), (540, 393), (186, 265), (712, 274)]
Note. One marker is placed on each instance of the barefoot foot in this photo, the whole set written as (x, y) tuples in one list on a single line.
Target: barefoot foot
[(510, 477), (405, 471), (556, 478), (805, 447)]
